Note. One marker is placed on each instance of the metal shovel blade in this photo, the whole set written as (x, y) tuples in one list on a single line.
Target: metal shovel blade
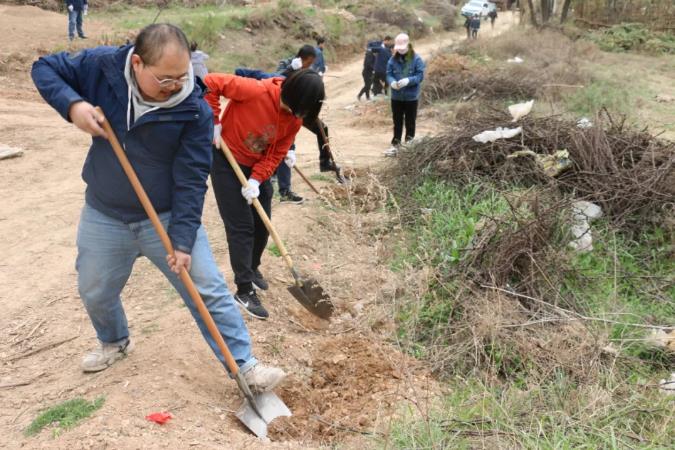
[(312, 296), (270, 407)]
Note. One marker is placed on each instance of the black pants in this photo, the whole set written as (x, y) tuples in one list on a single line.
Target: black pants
[(367, 83), (246, 232), (379, 83), (403, 110), (313, 126)]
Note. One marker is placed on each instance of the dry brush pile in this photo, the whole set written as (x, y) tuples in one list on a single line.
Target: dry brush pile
[(479, 69), (502, 305)]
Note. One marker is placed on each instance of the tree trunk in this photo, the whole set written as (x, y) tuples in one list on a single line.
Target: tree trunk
[(565, 11), (533, 17)]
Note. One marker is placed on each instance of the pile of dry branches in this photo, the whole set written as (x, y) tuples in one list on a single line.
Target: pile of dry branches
[(628, 172)]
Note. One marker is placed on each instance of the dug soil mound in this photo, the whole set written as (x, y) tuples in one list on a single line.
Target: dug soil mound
[(352, 376)]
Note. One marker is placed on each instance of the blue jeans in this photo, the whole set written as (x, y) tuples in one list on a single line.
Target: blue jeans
[(75, 19), (283, 174), (106, 252)]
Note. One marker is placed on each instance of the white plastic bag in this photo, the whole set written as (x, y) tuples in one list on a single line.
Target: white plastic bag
[(499, 133), (520, 110), (516, 60)]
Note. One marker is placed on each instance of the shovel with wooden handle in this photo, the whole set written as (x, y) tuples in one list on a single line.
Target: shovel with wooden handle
[(307, 291), (258, 410)]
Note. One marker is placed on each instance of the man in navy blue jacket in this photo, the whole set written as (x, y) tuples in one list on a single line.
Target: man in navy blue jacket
[(382, 50), (150, 98), (76, 9)]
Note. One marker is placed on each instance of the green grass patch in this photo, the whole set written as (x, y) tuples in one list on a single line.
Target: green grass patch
[(556, 415), (65, 415), (274, 250), (600, 94), (634, 37), (447, 220)]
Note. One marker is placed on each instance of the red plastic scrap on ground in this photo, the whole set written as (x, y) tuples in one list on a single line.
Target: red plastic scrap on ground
[(159, 417)]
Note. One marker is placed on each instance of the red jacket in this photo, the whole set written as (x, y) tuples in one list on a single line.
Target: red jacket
[(255, 128)]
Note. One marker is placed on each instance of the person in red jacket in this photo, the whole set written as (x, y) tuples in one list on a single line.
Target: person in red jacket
[(258, 125)]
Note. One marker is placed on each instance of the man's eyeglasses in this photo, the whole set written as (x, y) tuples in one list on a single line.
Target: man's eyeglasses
[(168, 83)]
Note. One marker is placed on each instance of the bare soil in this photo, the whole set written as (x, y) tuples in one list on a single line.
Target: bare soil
[(346, 377)]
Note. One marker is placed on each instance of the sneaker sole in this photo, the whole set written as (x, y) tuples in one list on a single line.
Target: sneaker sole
[(292, 202), (116, 357), (242, 306), (258, 287)]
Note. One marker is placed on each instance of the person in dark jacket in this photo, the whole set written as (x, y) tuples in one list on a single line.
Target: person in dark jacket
[(475, 26), (467, 25), (493, 16), (382, 50), (319, 64), (76, 10), (367, 74), (149, 96), (405, 72)]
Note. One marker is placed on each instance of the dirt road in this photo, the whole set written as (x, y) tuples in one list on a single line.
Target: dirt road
[(344, 374)]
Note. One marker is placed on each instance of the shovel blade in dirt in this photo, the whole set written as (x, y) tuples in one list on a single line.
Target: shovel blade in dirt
[(312, 296), (269, 406)]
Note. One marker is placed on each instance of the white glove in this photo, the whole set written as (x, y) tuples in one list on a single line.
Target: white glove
[(85, 10), (217, 131), (394, 85), (251, 191), (296, 63), (290, 159), (403, 82), (321, 74), (70, 8)]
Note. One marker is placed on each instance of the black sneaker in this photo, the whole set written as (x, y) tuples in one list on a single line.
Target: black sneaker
[(259, 281), (252, 304), (290, 197)]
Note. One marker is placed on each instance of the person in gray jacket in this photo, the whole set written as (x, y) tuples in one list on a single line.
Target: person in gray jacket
[(198, 59)]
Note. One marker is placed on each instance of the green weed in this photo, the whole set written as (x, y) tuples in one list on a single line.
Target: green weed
[(65, 415), (597, 95), (274, 250)]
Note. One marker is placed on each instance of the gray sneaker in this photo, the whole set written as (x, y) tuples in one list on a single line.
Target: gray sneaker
[(106, 354), (261, 378)]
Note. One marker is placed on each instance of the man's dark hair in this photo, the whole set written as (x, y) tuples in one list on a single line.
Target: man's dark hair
[(303, 93), (193, 46), (320, 40), (388, 38), (152, 40), (306, 51)]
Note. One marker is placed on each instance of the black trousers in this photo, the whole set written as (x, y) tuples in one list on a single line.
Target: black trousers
[(379, 83), (367, 83), (404, 110), (246, 232), (313, 126)]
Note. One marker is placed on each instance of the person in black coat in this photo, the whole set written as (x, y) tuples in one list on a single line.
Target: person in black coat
[(367, 73)]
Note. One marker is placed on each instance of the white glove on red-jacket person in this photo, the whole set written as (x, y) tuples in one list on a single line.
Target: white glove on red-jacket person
[(251, 191)]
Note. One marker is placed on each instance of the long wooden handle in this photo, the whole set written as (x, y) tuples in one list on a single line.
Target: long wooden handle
[(258, 207), (157, 224), (309, 183)]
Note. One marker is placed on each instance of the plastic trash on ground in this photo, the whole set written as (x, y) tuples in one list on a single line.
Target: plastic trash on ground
[(583, 213), (584, 122), (552, 165), (516, 60), (9, 152), (499, 133), (520, 110), (667, 387), (159, 417)]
